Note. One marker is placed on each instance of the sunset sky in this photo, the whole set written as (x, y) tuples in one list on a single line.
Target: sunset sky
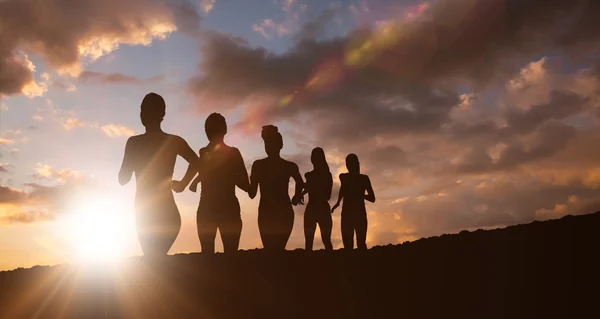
[(465, 114)]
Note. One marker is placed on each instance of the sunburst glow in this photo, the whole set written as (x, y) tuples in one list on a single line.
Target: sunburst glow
[(101, 228)]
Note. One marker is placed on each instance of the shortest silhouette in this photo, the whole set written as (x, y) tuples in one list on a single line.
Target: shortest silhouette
[(354, 213), (318, 186)]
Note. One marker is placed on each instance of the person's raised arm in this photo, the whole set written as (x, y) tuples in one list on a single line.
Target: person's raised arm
[(340, 195), (254, 172), (185, 151), (370, 193), (298, 197), (241, 174), (127, 166)]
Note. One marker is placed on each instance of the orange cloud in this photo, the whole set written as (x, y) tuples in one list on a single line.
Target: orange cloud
[(115, 130), (66, 40)]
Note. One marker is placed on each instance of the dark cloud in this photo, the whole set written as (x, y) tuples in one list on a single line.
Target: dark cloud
[(546, 142), (13, 74), (406, 85), (561, 106), (115, 78), (395, 95), (43, 202), (11, 195), (63, 30)]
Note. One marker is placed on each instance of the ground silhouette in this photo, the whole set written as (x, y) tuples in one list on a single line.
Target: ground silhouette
[(538, 270)]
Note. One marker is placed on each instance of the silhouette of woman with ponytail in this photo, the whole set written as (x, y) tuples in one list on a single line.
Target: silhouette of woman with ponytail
[(318, 186), (353, 187), (152, 157), (272, 174)]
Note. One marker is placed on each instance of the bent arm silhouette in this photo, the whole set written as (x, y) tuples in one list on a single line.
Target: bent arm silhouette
[(127, 166), (241, 176), (340, 196), (253, 189), (307, 185), (298, 197), (370, 193), (189, 155)]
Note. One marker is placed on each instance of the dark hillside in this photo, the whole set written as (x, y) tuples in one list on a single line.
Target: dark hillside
[(539, 270)]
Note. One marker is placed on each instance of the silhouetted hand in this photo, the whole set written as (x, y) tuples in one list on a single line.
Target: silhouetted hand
[(298, 200), (178, 186), (334, 207), (193, 187)]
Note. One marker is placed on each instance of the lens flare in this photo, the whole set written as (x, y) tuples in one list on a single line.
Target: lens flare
[(101, 229)]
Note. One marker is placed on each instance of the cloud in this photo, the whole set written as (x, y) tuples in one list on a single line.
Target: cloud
[(25, 217), (11, 195), (115, 130), (45, 199), (68, 120), (36, 89), (47, 172), (287, 24), (4, 167), (87, 31), (73, 122), (266, 28), (6, 141), (115, 78), (473, 113), (207, 5)]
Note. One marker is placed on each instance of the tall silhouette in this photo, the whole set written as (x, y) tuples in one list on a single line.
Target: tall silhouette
[(318, 186), (222, 169), (354, 213), (152, 157), (275, 212)]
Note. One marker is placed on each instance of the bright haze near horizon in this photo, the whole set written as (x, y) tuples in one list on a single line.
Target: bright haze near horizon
[(464, 113)]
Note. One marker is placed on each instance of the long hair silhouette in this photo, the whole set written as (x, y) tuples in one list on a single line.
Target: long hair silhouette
[(222, 169), (318, 187), (354, 213), (272, 174), (151, 156)]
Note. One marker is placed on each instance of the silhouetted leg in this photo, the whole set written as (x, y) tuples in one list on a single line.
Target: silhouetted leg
[(325, 225), (275, 227), (361, 231), (265, 229), (347, 231), (231, 230), (286, 226), (207, 231), (158, 230), (310, 224)]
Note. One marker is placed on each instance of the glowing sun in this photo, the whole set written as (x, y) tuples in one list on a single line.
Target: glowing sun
[(101, 229)]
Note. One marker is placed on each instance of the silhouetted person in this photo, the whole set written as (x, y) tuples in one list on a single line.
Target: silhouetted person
[(275, 212), (222, 169), (152, 157), (318, 186), (354, 214)]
